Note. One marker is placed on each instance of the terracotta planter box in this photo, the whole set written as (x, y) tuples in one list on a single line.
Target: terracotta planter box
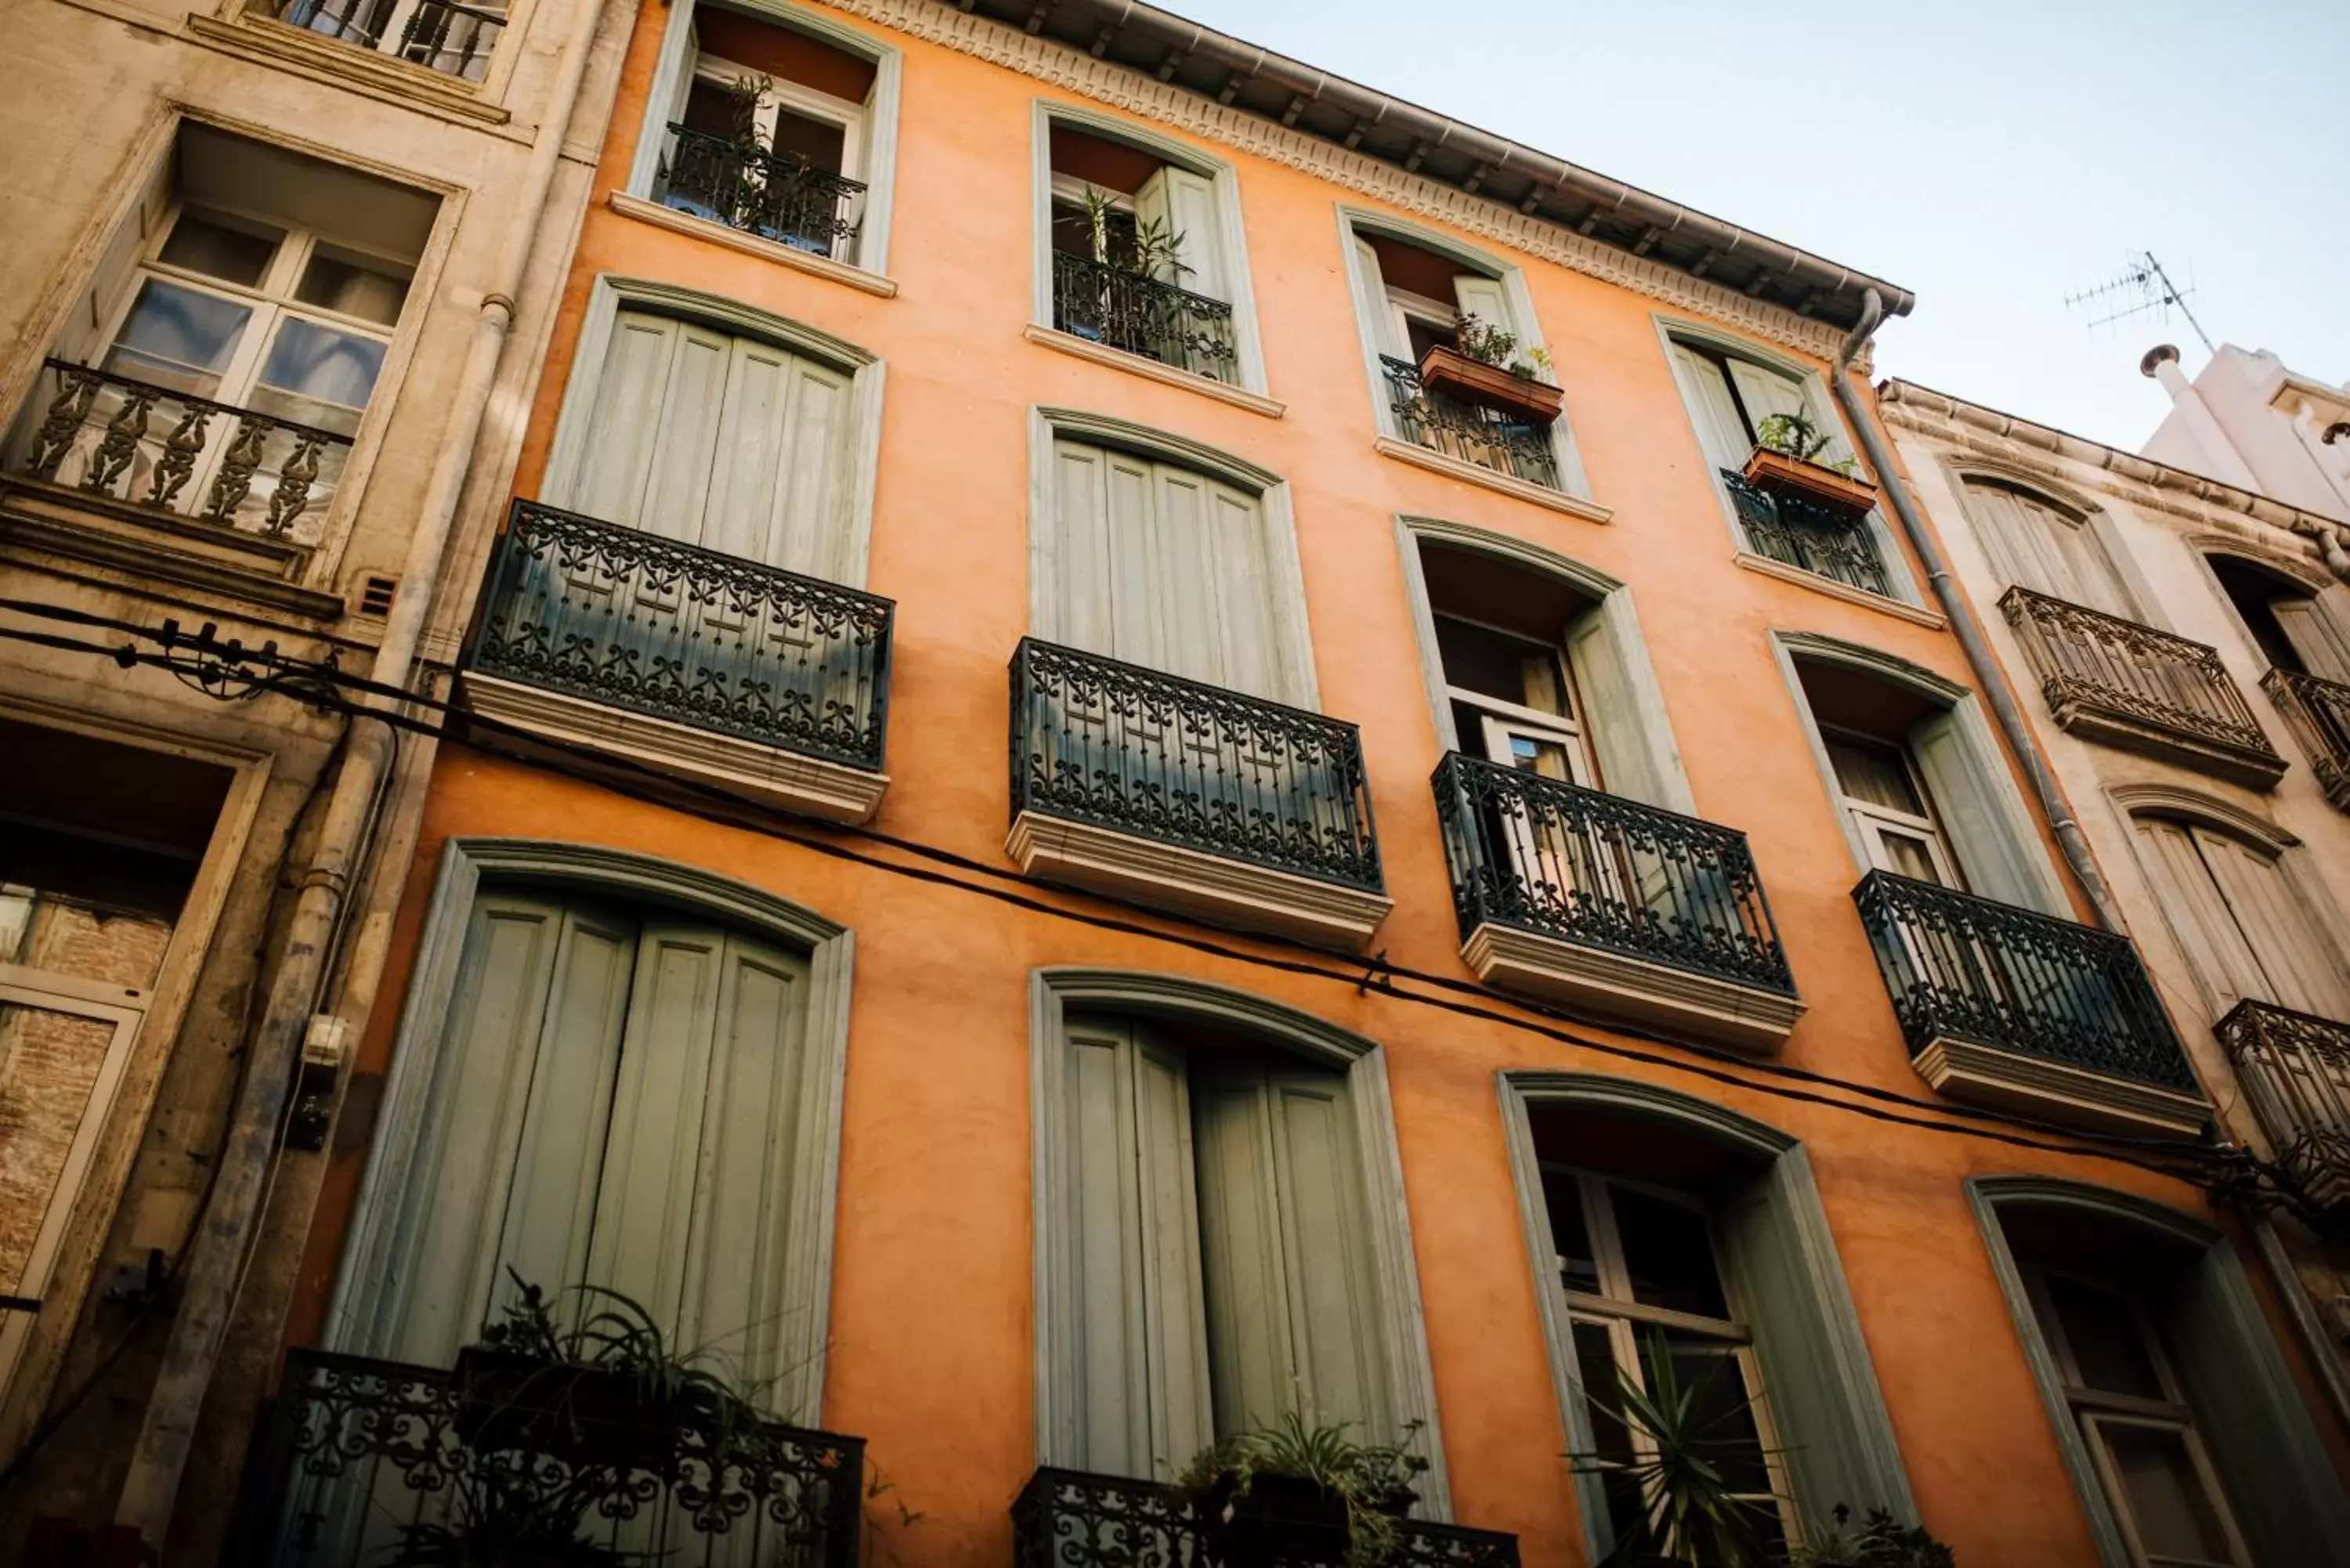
[(1777, 470), (1451, 371)]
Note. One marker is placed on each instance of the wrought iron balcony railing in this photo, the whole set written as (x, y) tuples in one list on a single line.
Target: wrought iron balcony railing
[(2319, 713), (452, 38), (1123, 309), (1469, 431), (1960, 967), (2133, 686), (128, 440), (365, 1461), (1138, 752), (1601, 871), (2295, 1072), (1071, 1519), (1795, 530), (779, 197), (631, 620)]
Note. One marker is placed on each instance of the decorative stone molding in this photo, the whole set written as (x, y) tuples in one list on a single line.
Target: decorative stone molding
[(1231, 892), (1746, 1018), (1050, 60), (2052, 1091)]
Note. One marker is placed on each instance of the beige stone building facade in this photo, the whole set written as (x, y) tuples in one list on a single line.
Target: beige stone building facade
[(276, 283)]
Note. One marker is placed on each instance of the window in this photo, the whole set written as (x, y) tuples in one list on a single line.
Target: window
[(2295, 629), (2045, 547), (778, 123), (1143, 251), (453, 37), (1731, 397), (236, 331), (1889, 805), (2247, 930), (1222, 1260)]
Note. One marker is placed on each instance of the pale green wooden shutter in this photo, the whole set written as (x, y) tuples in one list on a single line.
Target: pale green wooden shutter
[(1614, 717), (625, 422), (2200, 917), (2315, 635), (685, 435), (1186, 204), (778, 486), (1487, 301), (1767, 392), (1386, 330), (1242, 588), (2286, 1493), (1818, 1382), (1720, 433), (1982, 833), (1186, 571), (1081, 566)]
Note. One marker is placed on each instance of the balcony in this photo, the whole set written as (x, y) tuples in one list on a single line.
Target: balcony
[(2026, 1012), (440, 35), (1796, 528), (1594, 902), (2317, 710), (90, 438), (1070, 1519), (687, 662), (2139, 690), (1468, 432), (363, 1461), (1163, 791), (1126, 310), (764, 194), (2294, 1068)]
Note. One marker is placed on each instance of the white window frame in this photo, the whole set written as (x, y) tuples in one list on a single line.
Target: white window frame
[(1231, 235), (1818, 403), (1361, 222), (1873, 820), (877, 157)]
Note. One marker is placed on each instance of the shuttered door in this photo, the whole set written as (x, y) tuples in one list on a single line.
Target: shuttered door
[(1185, 204), (2044, 550), (725, 442), (2311, 627), (2246, 931)]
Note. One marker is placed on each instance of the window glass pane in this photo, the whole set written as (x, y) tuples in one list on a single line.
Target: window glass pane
[(1569, 1236), (1668, 1254), (1532, 755), (1876, 774), (1073, 236), (2165, 1493), (2107, 1341), (1426, 334), (178, 337), (1495, 664), (819, 142), (353, 285), (1706, 1372), (207, 243), (321, 375), (1906, 855), (50, 1060), (1594, 1364)]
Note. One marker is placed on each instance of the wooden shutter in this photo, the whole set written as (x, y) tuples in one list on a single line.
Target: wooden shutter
[(1186, 204), (685, 435), (1817, 1378), (2045, 550), (2200, 916), (625, 422), (1132, 1229), (1387, 336), (1767, 392), (1720, 433), (2309, 625), (83, 337), (1487, 301), (1614, 720), (1983, 836), (2302, 971)]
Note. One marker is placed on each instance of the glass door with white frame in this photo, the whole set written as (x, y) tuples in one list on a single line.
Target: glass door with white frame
[(1889, 806)]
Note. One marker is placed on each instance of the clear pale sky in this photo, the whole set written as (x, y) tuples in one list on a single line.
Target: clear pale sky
[(1992, 157)]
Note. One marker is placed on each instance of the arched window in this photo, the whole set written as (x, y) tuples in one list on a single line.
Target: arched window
[(2247, 930), (2297, 628), (2046, 547)]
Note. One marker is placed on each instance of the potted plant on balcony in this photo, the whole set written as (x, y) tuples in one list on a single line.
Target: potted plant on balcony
[(1786, 452), (1293, 1493), (1482, 365)]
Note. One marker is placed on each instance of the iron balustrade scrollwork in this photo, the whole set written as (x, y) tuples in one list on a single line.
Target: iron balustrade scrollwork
[(1074, 1518), (1124, 309), (1545, 855), (1967, 968), (1139, 752), (771, 195), (134, 442), (2087, 658), (449, 37), (1469, 431), (365, 1461), (2294, 1068), (2318, 711), (632, 620), (1800, 531)]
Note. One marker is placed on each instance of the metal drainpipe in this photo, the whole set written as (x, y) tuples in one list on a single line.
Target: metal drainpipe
[(225, 1233), (1989, 678)]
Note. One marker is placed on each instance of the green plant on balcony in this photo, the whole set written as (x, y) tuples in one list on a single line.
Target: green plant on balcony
[(1880, 1541), (1800, 437), (1497, 346), (1154, 249), (1292, 1492)]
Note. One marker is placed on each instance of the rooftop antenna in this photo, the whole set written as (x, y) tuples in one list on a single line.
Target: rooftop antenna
[(2143, 286)]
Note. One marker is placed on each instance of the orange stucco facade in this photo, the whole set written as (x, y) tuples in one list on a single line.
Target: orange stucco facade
[(933, 1347)]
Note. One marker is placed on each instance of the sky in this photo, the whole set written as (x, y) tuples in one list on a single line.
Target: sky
[(1991, 157)]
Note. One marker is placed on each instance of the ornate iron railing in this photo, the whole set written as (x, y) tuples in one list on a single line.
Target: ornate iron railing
[(1470, 431), (1072, 1518), (449, 37), (1138, 752), (365, 1461), (1798, 531), (1967, 968), (775, 197), (2318, 709), (2089, 660), (1128, 310), (1601, 871), (130, 441), (2295, 1072), (632, 620)]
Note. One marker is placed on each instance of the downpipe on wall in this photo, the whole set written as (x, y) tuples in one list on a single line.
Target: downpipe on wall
[(224, 1232)]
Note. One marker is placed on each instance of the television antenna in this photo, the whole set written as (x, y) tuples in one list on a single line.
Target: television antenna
[(2142, 286)]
